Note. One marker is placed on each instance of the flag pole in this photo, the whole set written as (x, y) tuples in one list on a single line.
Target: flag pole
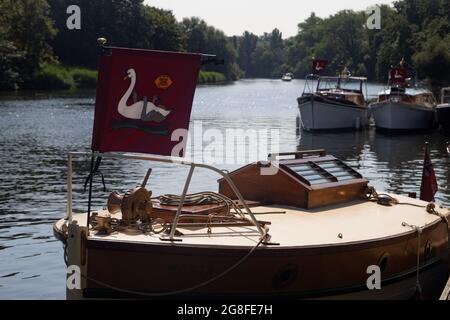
[(91, 178), (429, 185)]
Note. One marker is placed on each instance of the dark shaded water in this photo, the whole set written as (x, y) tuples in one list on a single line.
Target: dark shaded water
[(36, 132)]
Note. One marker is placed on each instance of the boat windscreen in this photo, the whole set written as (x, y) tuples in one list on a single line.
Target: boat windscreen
[(327, 84), (351, 85)]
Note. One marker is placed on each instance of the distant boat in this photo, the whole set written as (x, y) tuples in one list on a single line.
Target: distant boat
[(402, 106), (443, 110), (287, 77), (337, 103)]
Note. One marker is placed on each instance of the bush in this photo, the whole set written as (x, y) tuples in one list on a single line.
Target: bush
[(210, 77), (58, 77), (84, 78), (50, 77)]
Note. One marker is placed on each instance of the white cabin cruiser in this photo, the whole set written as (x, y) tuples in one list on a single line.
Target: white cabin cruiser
[(404, 107), (287, 77), (338, 103)]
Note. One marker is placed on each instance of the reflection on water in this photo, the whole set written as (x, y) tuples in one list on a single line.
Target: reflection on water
[(36, 132)]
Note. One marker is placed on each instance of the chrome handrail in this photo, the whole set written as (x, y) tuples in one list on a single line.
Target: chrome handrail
[(160, 159)]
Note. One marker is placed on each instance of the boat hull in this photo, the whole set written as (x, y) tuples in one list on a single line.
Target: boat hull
[(118, 269), (392, 116), (317, 114), (443, 115)]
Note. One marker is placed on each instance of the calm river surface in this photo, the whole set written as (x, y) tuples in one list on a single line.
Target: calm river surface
[(37, 132)]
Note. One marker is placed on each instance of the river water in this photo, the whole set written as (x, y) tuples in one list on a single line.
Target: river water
[(38, 130)]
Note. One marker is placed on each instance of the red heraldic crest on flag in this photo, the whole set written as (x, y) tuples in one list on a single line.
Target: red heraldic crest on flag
[(143, 96), (429, 185)]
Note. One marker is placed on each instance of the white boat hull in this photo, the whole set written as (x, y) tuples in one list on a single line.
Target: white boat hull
[(317, 116), (398, 116)]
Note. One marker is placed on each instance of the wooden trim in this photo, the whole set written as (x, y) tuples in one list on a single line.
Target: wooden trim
[(220, 250)]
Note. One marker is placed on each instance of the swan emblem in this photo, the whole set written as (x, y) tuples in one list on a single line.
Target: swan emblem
[(147, 111)]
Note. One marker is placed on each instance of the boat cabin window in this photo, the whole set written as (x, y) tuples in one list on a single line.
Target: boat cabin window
[(316, 173), (350, 85), (327, 84)]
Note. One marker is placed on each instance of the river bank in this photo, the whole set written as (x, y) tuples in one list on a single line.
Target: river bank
[(62, 77)]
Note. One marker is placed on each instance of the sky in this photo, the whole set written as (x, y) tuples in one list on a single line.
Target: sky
[(259, 16)]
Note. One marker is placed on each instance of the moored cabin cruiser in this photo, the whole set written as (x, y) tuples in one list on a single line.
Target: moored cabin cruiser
[(443, 110), (337, 103), (402, 106), (287, 77)]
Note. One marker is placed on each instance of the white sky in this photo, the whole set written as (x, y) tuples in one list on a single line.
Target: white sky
[(259, 16)]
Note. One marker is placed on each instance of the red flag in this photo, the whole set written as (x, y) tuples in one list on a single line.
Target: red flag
[(319, 65), (429, 185), (398, 76), (143, 96)]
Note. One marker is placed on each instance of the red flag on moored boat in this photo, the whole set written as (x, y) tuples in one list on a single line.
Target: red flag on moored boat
[(429, 185), (143, 96), (398, 76), (319, 65)]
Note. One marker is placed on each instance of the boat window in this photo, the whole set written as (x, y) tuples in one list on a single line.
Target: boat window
[(327, 84), (351, 85), (324, 172)]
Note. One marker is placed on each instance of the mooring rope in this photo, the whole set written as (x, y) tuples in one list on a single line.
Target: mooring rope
[(419, 231)]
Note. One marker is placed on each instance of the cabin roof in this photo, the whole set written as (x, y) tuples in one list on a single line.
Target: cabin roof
[(319, 170), (408, 91), (345, 78)]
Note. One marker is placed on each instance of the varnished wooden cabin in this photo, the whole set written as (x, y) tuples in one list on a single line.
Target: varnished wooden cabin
[(307, 180)]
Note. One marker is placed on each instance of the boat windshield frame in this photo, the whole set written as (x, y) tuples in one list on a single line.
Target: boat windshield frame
[(338, 80), (445, 95), (159, 159)]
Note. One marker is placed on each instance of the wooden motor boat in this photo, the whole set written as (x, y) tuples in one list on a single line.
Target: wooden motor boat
[(400, 108), (288, 77), (443, 110), (338, 103), (301, 225), (403, 106)]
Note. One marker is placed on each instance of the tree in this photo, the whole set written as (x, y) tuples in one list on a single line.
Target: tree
[(161, 30), (121, 22), (246, 47), (433, 62), (24, 40), (201, 38)]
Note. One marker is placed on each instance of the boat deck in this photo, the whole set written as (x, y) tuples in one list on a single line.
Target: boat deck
[(360, 222)]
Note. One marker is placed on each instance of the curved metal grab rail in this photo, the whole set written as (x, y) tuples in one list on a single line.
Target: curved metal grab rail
[(160, 159)]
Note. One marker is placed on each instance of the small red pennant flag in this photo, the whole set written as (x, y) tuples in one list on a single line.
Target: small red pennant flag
[(429, 185), (319, 65), (398, 76)]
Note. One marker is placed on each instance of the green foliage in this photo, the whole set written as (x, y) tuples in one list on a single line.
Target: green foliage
[(25, 32), (434, 61), (35, 42), (84, 78), (201, 38), (211, 77), (59, 77), (408, 30)]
